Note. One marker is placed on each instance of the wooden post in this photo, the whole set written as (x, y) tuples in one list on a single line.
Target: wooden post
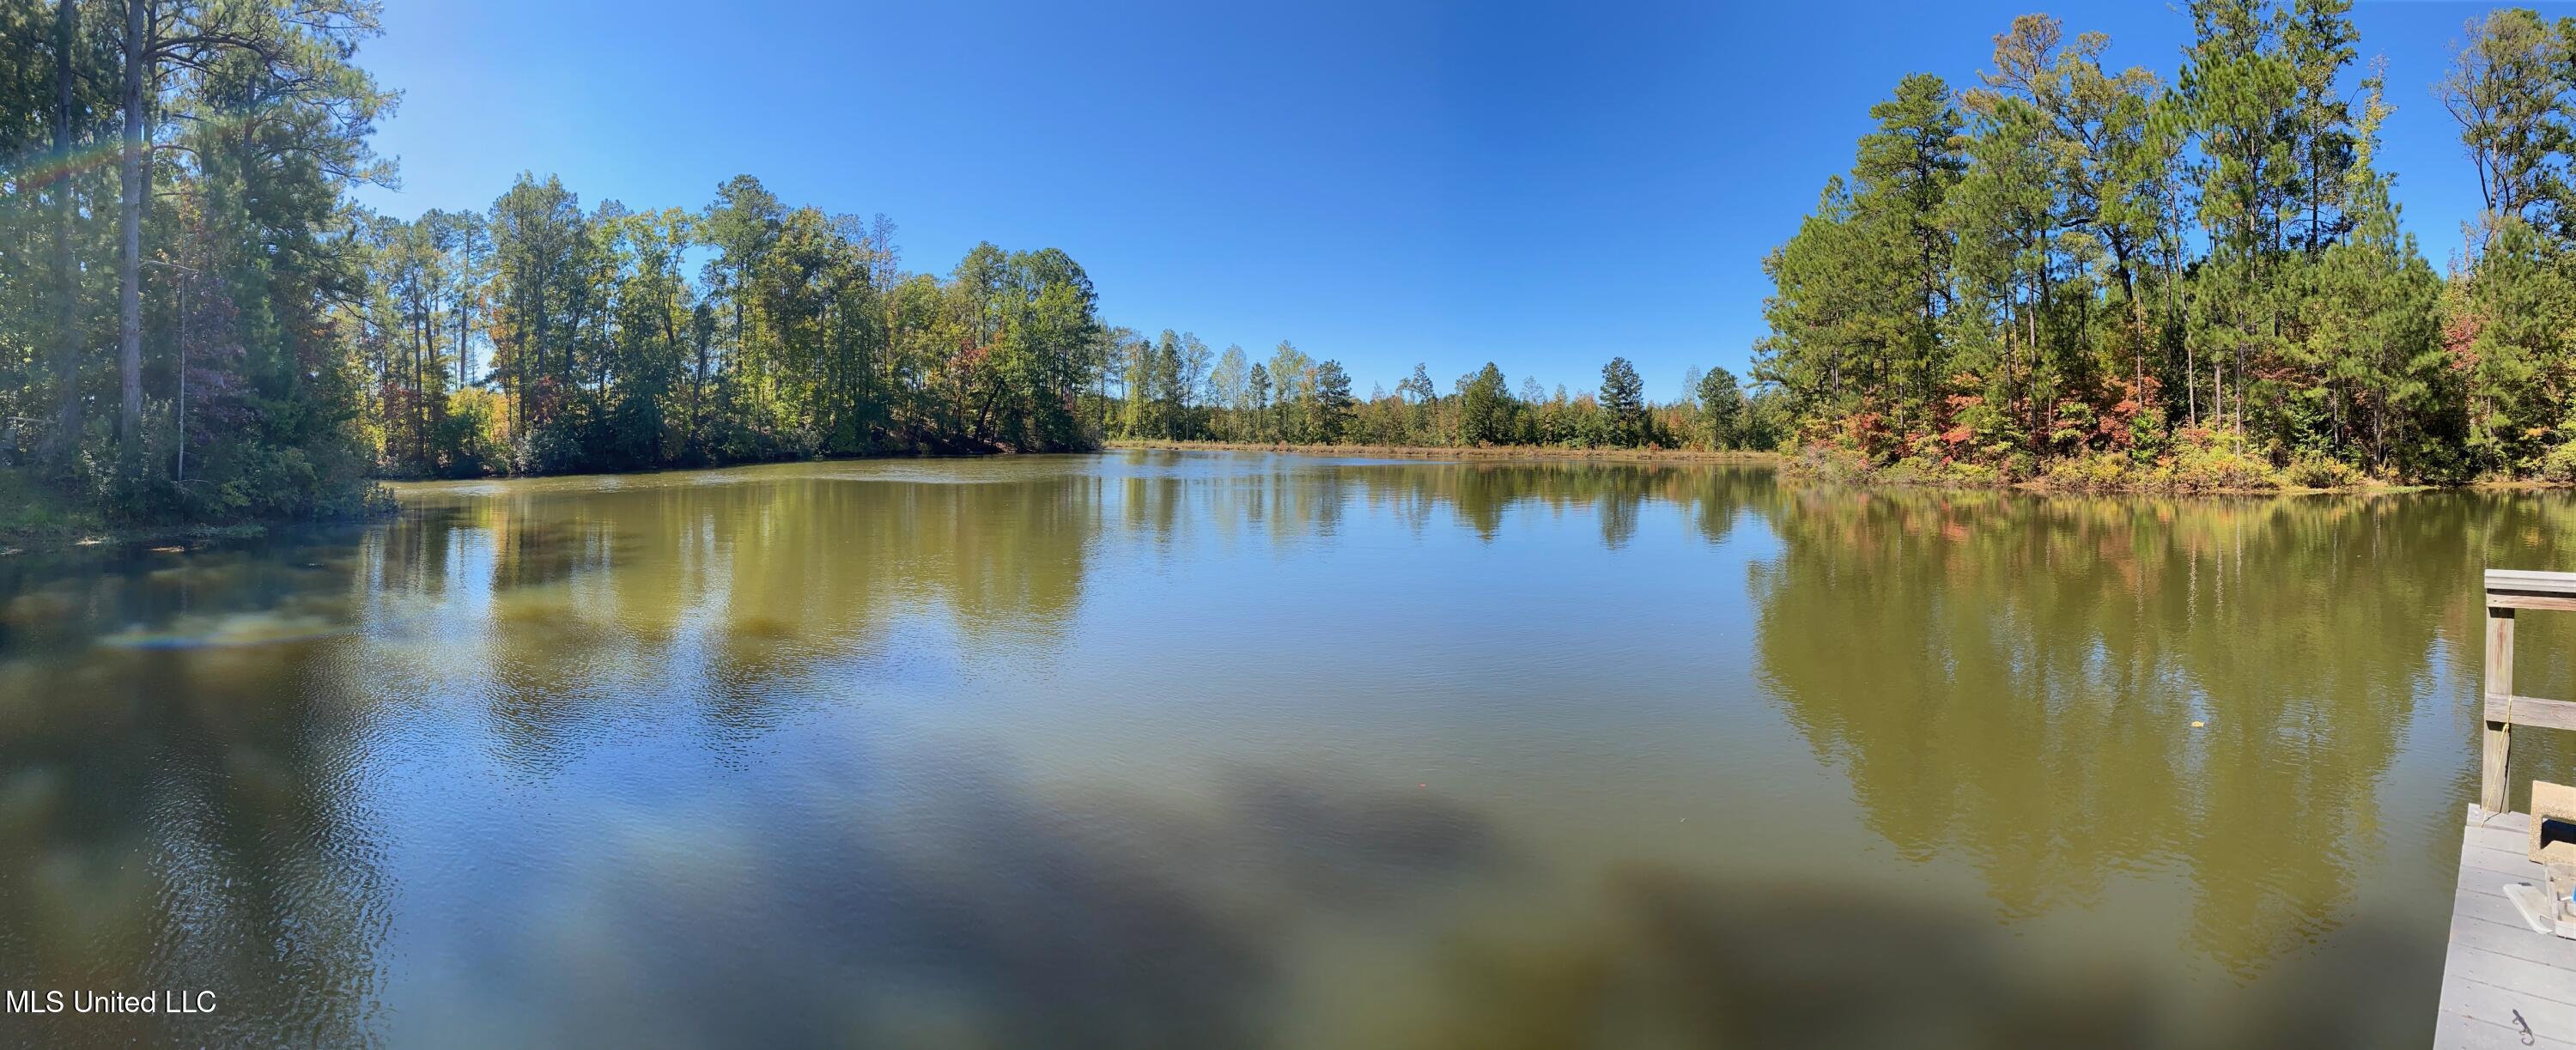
[(2494, 791)]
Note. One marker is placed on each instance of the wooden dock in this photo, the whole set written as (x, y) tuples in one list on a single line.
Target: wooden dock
[(2504, 984), (2500, 977)]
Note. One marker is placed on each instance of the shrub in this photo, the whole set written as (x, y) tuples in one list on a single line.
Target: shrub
[(1831, 463), (2090, 472), (545, 449), (1968, 473), (2320, 472), (465, 442), (2559, 464), (2207, 468)]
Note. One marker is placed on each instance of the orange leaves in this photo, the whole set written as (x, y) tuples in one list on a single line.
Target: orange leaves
[(2459, 339)]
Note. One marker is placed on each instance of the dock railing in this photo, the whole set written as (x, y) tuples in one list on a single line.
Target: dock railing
[(2508, 591)]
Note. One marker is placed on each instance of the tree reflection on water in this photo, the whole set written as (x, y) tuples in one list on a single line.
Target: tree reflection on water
[(882, 753)]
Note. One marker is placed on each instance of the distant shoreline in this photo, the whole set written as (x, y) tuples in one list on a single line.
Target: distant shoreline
[(1488, 452), (67, 532), (1792, 467)]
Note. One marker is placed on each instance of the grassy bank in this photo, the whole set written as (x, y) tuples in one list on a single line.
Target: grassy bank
[(1616, 455), (2191, 471), (32, 515)]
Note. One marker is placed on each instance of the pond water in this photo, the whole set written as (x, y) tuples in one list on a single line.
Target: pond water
[(1161, 749)]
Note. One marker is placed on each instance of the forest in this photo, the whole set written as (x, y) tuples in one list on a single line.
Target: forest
[(1175, 388), (198, 322), (2064, 272), (2107, 278)]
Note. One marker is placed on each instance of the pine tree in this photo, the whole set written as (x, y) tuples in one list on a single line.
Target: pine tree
[(1623, 398), (1721, 409)]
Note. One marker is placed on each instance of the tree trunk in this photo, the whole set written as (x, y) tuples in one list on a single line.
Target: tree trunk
[(129, 263), (67, 420), (465, 306), (2120, 251), (180, 472), (698, 385), (671, 345), (424, 368)]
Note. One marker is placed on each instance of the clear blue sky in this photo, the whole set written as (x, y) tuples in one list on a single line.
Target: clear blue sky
[(1543, 186)]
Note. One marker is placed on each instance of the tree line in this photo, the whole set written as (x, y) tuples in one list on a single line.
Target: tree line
[(541, 336), (1173, 387), (2105, 273), (199, 322)]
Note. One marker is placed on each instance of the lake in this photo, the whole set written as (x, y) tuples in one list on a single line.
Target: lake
[(1201, 749)]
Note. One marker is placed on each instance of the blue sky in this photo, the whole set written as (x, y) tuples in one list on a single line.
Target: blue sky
[(1538, 185)]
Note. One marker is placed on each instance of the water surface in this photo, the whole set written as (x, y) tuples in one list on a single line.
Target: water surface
[(1154, 749)]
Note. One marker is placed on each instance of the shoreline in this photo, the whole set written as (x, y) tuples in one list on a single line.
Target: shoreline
[(48, 525), (1790, 467), (1787, 465), (23, 543), (84, 536), (1797, 469), (1483, 452), (2038, 487), (85, 532)]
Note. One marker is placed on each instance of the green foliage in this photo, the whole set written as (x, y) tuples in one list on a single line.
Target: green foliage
[(800, 336), (2066, 272), (2122, 270), (467, 440), (2559, 464), (1485, 408), (2092, 472), (1293, 398), (1332, 402), (1722, 410), (29, 506), (1623, 400), (2319, 472), (292, 346), (234, 381)]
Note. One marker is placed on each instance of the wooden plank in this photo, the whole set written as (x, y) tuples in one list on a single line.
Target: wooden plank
[(2520, 976), (2488, 906), (2499, 838), (2486, 1002), (2450, 987), (2520, 600), (2539, 581), (2457, 1031), (2517, 941), (2495, 789), (2518, 823), (2531, 711), (2452, 1031), (2500, 831), (2493, 869), (2484, 904), (2512, 860)]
